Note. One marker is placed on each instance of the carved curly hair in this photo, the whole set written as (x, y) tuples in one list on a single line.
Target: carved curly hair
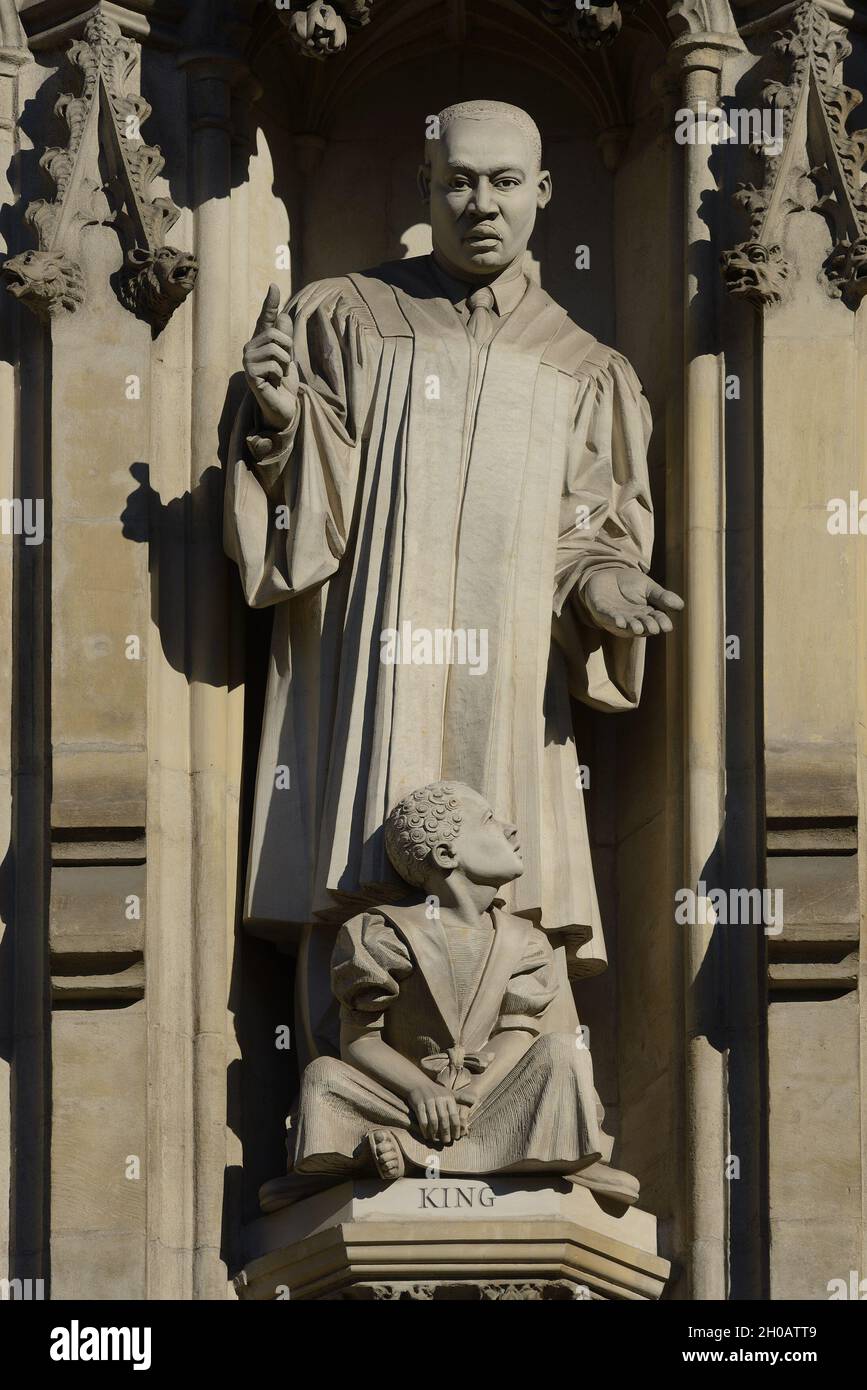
[(419, 823)]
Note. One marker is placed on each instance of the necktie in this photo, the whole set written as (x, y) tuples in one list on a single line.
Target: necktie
[(482, 322)]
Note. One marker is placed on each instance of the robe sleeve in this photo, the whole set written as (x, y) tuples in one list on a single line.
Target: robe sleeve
[(532, 987), (606, 522), (290, 494), (367, 965)]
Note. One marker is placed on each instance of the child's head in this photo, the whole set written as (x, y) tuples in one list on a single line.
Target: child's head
[(447, 828)]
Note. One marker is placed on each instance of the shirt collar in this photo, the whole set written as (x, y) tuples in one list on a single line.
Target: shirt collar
[(508, 288)]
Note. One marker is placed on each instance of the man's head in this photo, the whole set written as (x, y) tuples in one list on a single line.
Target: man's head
[(485, 183), (447, 828)]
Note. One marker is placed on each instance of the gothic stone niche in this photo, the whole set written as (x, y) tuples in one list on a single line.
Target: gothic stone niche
[(459, 1044), (319, 29), (815, 107), (104, 119)]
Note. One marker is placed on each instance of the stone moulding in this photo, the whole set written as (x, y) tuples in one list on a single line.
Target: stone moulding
[(104, 117), (468, 1290), (539, 1239), (535, 1253), (814, 108)]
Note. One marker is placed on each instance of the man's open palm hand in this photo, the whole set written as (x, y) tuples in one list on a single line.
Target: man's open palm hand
[(628, 603)]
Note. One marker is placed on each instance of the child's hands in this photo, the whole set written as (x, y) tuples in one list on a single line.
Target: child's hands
[(467, 1098), (437, 1111)]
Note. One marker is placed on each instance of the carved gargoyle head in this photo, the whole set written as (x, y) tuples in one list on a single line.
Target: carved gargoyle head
[(755, 272), (595, 26), (154, 283), (846, 271), (318, 30), (48, 282)]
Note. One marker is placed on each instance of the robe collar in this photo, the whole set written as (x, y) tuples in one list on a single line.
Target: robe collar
[(508, 288), (391, 290), (428, 942)]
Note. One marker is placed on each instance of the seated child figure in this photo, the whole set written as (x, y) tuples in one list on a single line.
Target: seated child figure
[(443, 1044)]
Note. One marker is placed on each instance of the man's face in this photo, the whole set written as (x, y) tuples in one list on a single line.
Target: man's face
[(487, 848), (485, 191)]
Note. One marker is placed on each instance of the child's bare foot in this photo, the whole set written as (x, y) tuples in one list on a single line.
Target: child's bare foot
[(386, 1154)]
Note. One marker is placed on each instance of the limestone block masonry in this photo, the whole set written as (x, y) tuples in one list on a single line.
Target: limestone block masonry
[(433, 578)]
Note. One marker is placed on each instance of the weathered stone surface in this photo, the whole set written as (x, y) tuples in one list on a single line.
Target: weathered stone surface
[(99, 1153), (533, 1232), (815, 1158), (744, 768)]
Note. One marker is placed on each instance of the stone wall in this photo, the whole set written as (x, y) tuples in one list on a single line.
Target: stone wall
[(141, 1096)]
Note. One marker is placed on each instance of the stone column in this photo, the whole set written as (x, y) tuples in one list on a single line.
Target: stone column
[(696, 60), (812, 434), (211, 72), (861, 777), (23, 1014)]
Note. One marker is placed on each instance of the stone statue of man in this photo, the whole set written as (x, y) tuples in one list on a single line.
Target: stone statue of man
[(440, 483)]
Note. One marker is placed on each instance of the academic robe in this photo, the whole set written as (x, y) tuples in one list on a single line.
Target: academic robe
[(429, 481), (393, 972)]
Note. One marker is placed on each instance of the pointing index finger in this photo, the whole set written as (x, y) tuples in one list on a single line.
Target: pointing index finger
[(270, 310)]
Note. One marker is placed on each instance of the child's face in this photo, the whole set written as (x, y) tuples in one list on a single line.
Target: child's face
[(487, 848)]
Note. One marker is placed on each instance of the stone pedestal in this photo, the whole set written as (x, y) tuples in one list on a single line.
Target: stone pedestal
[(469, 1238)]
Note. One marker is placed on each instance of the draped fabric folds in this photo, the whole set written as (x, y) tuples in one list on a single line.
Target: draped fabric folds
[(434, 484)]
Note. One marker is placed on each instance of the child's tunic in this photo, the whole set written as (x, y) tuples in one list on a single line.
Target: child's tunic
[(438, 996)]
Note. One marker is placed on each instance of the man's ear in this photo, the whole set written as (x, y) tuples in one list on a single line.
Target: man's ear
[(444, 857), (545, 189), (424, 182)]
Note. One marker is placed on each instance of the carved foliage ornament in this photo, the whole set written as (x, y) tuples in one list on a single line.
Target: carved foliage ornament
[(814, 109), (319, 29), (105, 118), (467, 1290)]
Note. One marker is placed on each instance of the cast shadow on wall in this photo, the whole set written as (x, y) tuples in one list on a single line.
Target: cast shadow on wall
[(168, 529), (263, 1079)]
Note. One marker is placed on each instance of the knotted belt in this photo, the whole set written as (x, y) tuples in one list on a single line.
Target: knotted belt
[(455, 1067)]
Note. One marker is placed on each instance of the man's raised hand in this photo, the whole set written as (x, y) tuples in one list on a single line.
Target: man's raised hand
[(269, 364), (628, 603)]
